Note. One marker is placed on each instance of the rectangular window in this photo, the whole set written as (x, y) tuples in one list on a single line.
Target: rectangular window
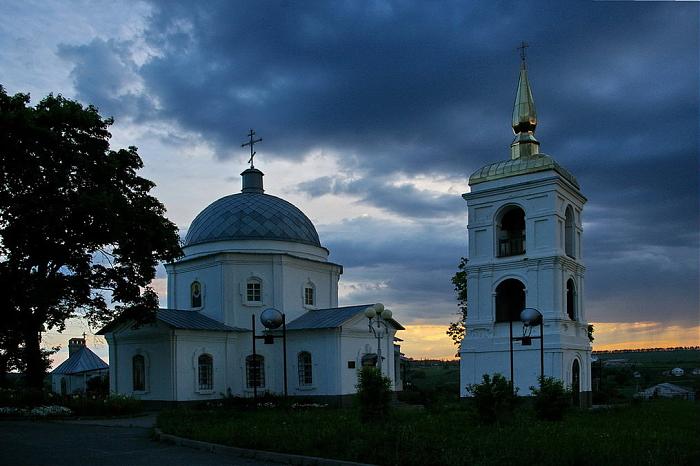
[(308, 296), (305, 369), (253, 292), (206, 372), (138, 373), (255, 371)]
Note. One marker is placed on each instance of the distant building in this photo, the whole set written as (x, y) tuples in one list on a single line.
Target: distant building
[(72, 375), (696, 371), (667, 390), (677, 372)]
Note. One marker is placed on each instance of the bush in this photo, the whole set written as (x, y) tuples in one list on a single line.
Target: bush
[(113, 405), (551, 399), (494, 398), (373, 394), (98, 385)]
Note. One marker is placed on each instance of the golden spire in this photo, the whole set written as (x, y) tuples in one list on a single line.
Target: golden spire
[(524, 114)]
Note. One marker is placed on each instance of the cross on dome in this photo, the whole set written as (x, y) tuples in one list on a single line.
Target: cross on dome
[(251, 142)]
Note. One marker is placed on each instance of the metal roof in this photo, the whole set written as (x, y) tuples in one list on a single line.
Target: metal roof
[(83, 360), (185, 320), (520, 166), (252, 216), (193, 320), (330, 318)]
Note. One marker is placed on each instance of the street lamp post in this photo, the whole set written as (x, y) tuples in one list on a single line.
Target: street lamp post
[(378, 318), (530, 317), (271, 319)]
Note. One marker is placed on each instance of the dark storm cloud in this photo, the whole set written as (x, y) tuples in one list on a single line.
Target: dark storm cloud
[(419, 87), (405, 199)]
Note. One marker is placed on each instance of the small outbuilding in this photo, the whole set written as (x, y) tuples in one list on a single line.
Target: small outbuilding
[(72, 375), (677, 372), (667, 390)]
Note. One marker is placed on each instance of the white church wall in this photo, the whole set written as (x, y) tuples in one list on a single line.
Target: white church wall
[(297, 274), (324, 347), (154, 344), (209, 274), (190, 345), (356, 341)]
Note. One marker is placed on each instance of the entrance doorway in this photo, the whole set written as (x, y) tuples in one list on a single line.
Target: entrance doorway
[(576, 382)]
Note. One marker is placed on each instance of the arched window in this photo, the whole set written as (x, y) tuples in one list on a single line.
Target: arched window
[(196, 294), (138, 370), (569, 232), (571, 299), (510, 300), (254, 291), (305, 369), (255, 371), (309, 295), (205, 372), (510, 232)]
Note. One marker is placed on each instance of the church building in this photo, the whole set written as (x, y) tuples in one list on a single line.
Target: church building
[(525, 251), (244, 254)]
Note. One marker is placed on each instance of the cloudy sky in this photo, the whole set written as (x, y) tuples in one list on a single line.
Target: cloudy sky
[(373, 116)]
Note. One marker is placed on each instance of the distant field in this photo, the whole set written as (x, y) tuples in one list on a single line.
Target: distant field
[(676, 357), (443, 377)]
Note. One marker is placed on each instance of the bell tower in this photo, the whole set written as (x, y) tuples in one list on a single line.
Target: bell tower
[(525, 250)]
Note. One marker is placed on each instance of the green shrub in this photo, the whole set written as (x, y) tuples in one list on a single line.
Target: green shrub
[(373, 394), (494, 398), (113, 405), (551, 399)]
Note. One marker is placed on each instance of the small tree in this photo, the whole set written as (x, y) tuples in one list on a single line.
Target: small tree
[(373, 393), (551, 399), (494, 398), (457, 328)]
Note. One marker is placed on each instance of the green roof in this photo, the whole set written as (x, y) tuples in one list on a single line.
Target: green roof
[(522, 165)]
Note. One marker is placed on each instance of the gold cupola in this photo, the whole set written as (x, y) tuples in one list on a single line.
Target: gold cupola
[(524, 118)]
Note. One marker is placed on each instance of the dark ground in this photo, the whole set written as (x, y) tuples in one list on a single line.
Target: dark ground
[(56, 443)]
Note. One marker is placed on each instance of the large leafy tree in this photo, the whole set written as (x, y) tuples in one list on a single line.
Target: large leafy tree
[(79, 232), (456, 329)]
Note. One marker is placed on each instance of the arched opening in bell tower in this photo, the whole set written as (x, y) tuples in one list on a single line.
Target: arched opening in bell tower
[(510, 300), (510, 232), (569, 232), (571, 299)]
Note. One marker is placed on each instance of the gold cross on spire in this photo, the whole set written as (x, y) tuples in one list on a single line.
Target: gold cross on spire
[(252, 141), (523, 53)]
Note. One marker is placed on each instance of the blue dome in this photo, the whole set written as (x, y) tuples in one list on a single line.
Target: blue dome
[(252, 215)]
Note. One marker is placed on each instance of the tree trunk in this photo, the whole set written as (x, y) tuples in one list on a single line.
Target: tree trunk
[(34, 359)]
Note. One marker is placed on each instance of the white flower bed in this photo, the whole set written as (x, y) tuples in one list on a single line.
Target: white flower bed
[(41, 411)]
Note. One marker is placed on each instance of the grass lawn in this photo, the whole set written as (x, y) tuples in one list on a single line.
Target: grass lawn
[(658, 432)]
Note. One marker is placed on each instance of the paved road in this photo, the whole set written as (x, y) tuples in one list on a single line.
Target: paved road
[(59, 443)]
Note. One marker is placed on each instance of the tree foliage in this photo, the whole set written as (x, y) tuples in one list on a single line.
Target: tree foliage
[(78, 227), (457, 328)]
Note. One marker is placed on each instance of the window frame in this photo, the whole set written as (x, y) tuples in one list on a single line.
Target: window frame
[(249, 371), (309, 289), (205, 370), (140, 376), (252, 283), (305, 370)]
